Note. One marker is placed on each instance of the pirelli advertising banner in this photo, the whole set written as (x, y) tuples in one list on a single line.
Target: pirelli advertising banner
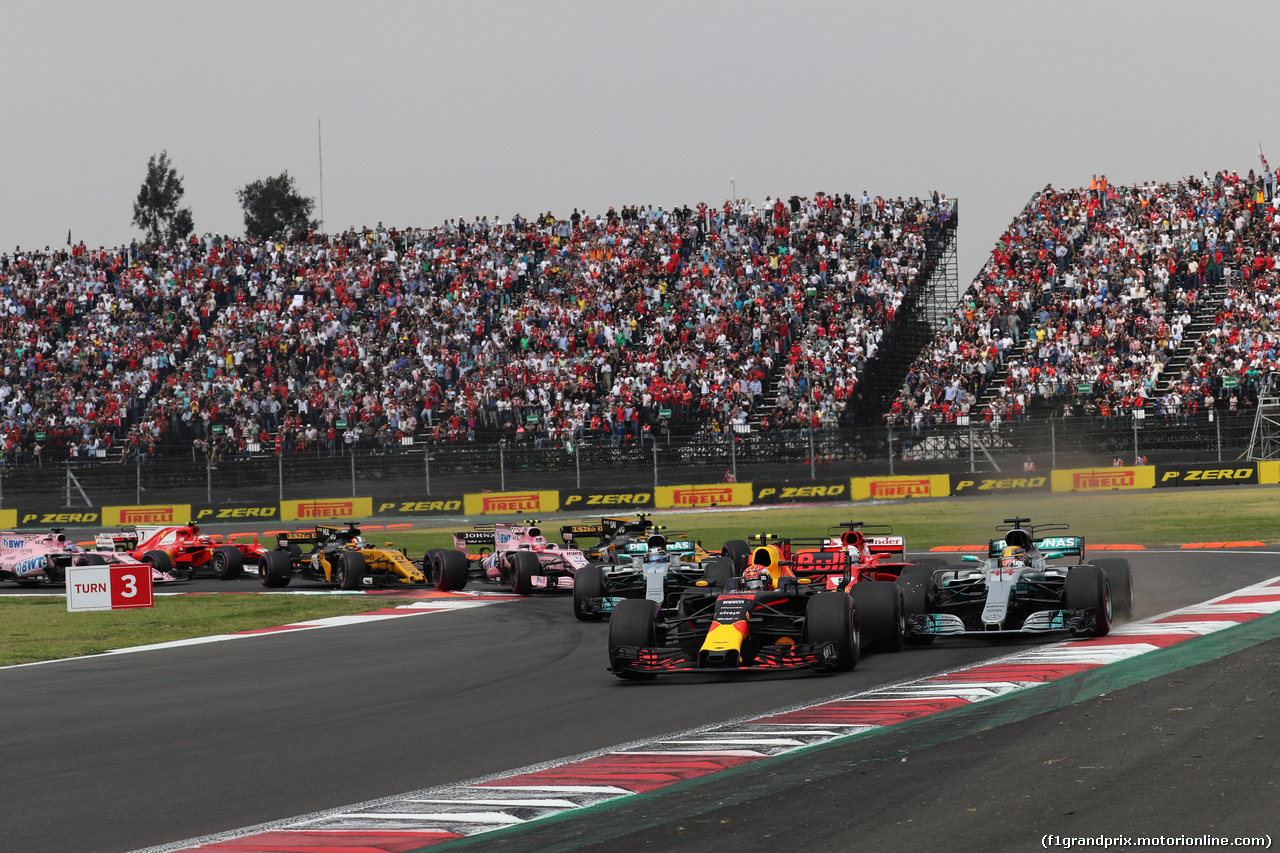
[(884, 488), (408, 509), (114, 516), (62, 518), (694, 497), (8, 518), (1104, 479), (979, 484), (212, 513), (826, 490), (1222, 474), (599, 500), (1268, 473), (336, 509), (510, 503)]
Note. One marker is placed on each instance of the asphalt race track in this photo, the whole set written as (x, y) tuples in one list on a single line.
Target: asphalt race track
[(124, 752)]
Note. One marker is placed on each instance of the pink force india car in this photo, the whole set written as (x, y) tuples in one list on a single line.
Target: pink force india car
[(517, 556), (32, 559)]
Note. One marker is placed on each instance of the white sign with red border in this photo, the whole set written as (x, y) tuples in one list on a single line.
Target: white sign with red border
[(109, 587)]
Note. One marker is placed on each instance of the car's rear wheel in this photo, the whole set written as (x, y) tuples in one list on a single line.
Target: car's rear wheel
[(1120, 578), (275, 569), (588, 592), (916, 583), (738, 551), (1087, 589), (351, 570), (227, 562), (830, 617), (633, 623), (718, 570), (449, 569), (523, 567), (880, 618)]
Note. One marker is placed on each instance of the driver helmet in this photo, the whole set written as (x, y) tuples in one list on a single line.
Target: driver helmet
[(757, 578), (1012, 555)]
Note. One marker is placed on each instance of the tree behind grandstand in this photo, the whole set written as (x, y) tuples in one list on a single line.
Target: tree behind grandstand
[(274, 208), (156, 210)]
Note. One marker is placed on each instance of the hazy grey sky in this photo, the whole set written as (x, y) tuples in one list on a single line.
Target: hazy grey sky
[(437, 110)]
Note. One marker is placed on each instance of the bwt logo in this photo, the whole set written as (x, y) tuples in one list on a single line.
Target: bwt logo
[(1109, 480), (164, 515), (901, 488), (326, 509), (511, 503), (708, 496)]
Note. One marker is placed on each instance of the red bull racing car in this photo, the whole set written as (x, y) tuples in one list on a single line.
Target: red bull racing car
[(765, 621)]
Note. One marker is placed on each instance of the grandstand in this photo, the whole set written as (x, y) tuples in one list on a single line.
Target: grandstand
[(826, 328)]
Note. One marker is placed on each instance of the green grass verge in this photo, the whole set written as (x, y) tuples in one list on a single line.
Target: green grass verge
[(37, 629)]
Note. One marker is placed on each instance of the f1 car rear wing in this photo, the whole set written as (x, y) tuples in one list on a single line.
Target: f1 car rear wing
[(482, 536), (122, 540), (608, 528)]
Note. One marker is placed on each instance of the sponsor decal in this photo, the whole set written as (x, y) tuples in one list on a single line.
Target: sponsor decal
[(892, 488), (322, 510), (971, 485), (578, 499), (403, 507), (510, 502), (165, 514), (835, 490), (10, 542), (694, 496), (31, 565), (1206, 475), (1104, 479), (230, 513), (59, 519)]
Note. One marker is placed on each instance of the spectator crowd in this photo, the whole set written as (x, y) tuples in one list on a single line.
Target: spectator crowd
[(532, 329), (1089, 296)]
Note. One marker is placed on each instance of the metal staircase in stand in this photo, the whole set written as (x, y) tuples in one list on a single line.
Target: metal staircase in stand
[(1265, 442)]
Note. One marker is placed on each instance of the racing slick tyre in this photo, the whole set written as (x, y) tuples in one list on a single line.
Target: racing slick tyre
[(275, 569), (1120, 578), (738, 551), (1087, 589), (588, 582), (524, 566), (830, 617), (633, 624), (227, 562), (916, 583), (159, 560), (91, 560), (449, 569), (350, 571), (880, 619), (719, 570)]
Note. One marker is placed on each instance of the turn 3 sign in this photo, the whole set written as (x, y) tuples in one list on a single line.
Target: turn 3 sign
[(109, 587)]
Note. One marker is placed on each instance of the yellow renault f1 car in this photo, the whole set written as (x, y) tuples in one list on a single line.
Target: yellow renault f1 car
[(338, 556), (767, 620)]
